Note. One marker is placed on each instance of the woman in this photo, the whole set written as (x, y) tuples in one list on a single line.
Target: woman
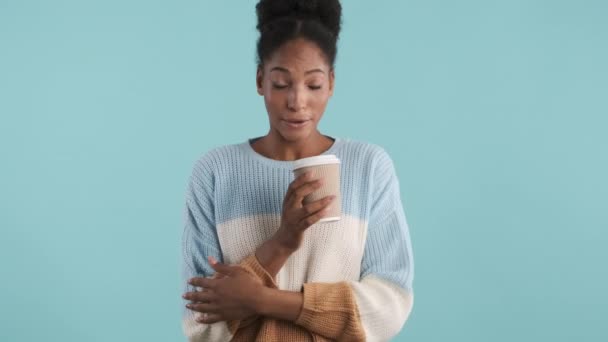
[(273, 273)]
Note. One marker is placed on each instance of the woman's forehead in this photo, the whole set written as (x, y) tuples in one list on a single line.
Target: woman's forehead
[(298, 57)]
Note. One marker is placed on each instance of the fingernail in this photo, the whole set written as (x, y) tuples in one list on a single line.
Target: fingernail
[(189, 306)]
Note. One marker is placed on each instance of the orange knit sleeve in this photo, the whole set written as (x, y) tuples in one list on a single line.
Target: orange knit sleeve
[(330, 310)]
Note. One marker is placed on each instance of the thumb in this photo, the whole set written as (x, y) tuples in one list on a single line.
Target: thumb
[(221, 268)]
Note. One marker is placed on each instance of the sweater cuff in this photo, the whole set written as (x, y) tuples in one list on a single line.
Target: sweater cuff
[(330, 310), (253, 267)]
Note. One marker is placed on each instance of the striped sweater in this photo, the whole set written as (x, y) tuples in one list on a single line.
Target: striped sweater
[(355, 274)]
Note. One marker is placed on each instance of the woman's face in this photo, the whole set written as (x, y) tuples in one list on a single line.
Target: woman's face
[(296, 82)]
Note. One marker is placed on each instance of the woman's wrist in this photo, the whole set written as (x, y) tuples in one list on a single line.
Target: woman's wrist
[(272, 255), (279, 304), (287, 240)]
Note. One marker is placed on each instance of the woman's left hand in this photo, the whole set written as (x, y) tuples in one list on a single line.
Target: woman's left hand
[(230, 295)]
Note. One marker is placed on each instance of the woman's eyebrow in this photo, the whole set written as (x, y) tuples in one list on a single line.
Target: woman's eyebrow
[(314, 70), (278, 68)]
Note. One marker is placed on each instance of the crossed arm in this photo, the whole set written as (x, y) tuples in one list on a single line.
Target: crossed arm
[(240, 294)]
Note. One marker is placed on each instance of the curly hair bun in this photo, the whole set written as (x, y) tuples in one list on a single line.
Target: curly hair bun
[(327, 12)]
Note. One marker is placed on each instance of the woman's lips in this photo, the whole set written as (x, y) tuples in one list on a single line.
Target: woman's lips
[(295, 123)]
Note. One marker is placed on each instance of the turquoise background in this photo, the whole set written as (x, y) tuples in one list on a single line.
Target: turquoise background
[(495, 113)]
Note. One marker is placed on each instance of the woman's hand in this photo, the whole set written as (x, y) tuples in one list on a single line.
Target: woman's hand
[(295, 219), (297, 216), (230, 295)]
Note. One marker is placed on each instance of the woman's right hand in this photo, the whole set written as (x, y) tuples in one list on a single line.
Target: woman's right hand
[(296, 216)]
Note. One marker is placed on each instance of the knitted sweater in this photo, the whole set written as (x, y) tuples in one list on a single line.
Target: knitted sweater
[(355, 274)]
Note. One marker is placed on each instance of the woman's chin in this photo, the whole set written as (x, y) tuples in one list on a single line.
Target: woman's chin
[(294, 135)]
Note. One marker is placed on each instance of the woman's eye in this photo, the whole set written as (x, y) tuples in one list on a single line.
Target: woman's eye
[(279, 86), (312, 87)]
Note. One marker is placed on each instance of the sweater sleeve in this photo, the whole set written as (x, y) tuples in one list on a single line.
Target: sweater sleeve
[(376, 307), (200, 240)]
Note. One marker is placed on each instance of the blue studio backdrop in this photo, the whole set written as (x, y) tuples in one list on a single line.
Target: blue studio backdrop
[(494, 112)]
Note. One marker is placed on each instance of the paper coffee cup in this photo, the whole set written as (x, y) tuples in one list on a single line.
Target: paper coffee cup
[(327, 168)]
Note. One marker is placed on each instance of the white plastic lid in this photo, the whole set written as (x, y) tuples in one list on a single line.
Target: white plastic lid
[(316, 160)]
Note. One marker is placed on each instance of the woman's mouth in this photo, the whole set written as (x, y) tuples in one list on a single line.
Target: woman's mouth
[(295, 123)]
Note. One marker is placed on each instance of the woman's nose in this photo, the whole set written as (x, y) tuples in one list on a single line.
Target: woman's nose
[(296, 100)]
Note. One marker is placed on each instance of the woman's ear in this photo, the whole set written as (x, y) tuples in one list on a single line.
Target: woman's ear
[(259, 80), (332, 80)]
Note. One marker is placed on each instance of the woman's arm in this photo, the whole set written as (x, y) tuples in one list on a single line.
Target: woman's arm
[(200, 241), (384, 293), (296, 218), (381, 301), (280, 304), (272, 255), (325, 309)]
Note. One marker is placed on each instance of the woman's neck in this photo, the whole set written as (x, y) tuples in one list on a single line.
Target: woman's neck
[(274, 146)]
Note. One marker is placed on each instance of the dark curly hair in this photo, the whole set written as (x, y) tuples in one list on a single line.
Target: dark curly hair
[(280, 21)]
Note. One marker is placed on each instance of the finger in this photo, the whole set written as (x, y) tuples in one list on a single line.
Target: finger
[(204, 307), (317, 205), (203, 297), (224, 269), (210, 318), (218, 276), (301, 179), (312, 219), (209, 283), (213, 261), (303, 191)]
